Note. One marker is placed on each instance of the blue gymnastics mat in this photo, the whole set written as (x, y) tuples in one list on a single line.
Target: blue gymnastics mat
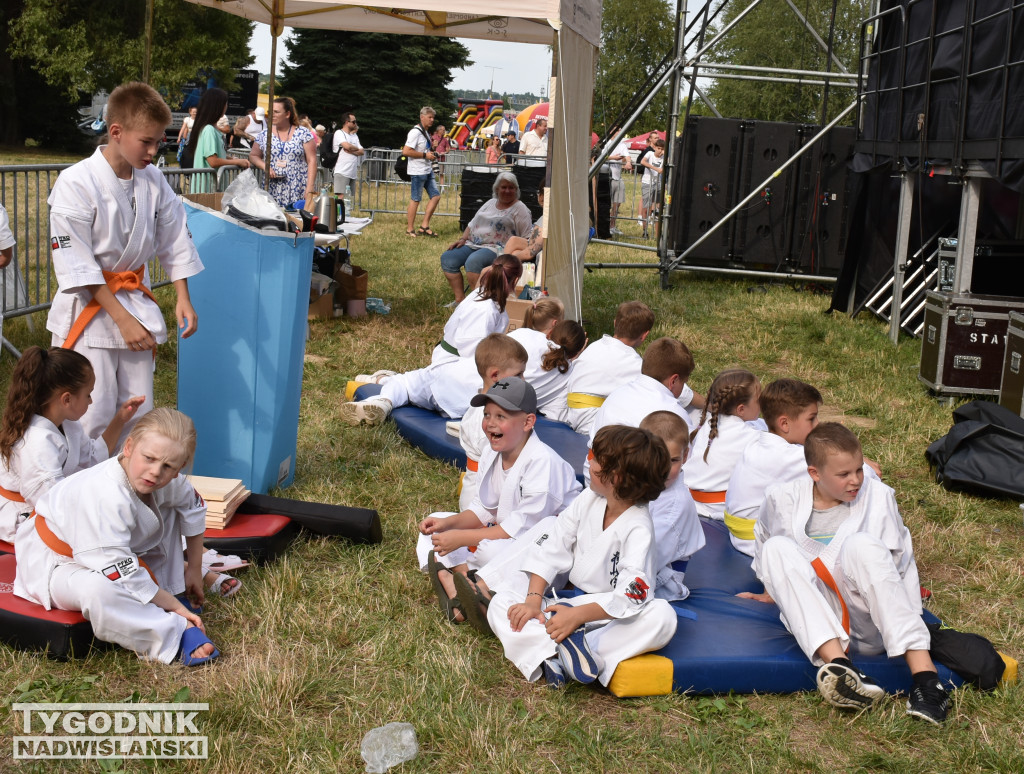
[(724, 643), (426, 431)]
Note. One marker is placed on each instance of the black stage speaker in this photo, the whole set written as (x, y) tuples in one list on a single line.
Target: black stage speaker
[(601, 190)]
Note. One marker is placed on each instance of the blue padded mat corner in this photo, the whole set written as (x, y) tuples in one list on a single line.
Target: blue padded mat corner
[(723, 643), (426, 431)]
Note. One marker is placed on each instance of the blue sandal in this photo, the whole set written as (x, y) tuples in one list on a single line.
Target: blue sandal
[(191, 639)]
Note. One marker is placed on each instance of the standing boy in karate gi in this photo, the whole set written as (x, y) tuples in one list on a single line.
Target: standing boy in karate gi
[(109, 215), (834, 554)]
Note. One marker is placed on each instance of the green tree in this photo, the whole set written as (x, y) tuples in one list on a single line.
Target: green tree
[(82, 46), (635, 36), (772, 36), (384, 79)]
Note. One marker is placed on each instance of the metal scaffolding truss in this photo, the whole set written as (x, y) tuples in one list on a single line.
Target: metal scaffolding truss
[(685, 67)]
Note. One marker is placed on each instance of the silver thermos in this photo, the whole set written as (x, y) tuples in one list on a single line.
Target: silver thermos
[(326, 211)]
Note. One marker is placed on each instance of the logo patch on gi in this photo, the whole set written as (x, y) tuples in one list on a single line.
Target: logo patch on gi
[(60, 242), (637, 590), (199, 502), (541, 539), (122, 568)]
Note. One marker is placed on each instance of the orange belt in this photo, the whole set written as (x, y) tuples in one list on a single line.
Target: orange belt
[(58, 546), (14, 497), (708, 498), (826, 577), (116, 280), (472, 465)]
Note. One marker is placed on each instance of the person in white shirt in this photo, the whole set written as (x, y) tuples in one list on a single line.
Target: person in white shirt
[(618, 161), (535, 142), (418, 150), (350, 155)]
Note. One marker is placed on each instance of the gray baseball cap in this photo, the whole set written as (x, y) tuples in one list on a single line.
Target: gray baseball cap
[(512, 393)]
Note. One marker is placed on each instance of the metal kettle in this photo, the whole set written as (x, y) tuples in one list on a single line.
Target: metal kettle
[(326, 212)]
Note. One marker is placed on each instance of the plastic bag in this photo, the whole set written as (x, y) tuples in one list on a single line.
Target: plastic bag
[(388, 746), (245, 201)]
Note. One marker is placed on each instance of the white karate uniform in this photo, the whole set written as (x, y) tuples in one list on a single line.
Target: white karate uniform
[(447, 387), (614, 567), (871, 559), (473, 440), (551, 385), (539, 484), (678, 535), (604, 366), (630, 404), (96, 226), (734, 435), (472, 321), (40, 458), (110, 529), (768, 460)]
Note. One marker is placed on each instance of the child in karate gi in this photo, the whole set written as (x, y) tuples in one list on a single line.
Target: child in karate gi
[(728, 423), (607, 364), (678, 534), (552, 345), (603, 544), (447, 387), (790, 409), (41, 440), (522, 480), (835, 556), (482, 312), (107, 542), (109, 215)]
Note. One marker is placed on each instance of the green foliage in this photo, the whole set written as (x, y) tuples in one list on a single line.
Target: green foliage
[(772, 36), (635, 36), (383, 79), (80, 45)]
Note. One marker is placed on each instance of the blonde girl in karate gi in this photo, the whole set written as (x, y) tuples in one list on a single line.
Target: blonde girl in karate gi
[(727, 423), (107, 542), (604, 545), (109, 215), (41, 440)]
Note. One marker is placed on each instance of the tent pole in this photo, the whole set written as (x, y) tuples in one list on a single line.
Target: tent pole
[(670, 141), (149, 42), (276, 26)]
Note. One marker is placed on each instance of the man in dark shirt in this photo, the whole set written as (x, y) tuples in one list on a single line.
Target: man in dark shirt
[(510, 148)]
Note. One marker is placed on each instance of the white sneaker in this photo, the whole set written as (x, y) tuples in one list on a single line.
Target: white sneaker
[(615, 231), (453, 428), (371, 411), (377, 377)]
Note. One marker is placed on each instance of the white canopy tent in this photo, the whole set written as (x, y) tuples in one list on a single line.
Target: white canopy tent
[(571, 27)]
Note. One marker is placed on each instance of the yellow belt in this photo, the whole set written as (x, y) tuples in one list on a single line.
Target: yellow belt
[(741, 528), (582, 400)]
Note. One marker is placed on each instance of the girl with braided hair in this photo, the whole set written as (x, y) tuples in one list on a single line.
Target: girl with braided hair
[(728, 422)]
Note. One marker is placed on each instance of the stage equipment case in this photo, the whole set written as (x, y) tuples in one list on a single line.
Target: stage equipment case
[(1011, 389), (963, 341)]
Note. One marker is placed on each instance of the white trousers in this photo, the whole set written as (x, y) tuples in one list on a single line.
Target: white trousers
[(883, 617), (485, 552), (116, 616), (411, 387), (611, 640), (120, 374)]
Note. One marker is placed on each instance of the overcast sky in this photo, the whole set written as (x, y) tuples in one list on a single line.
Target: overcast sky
[(518, 67)]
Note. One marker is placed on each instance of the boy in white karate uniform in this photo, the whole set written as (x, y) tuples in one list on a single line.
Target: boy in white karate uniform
[(666, 367), (522, 480), (109, 215), (446, 387), (678, 534), (834, 554), (604, 544), (607, 364), (790, 409)]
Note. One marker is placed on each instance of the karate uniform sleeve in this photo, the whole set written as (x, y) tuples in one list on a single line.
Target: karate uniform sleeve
[(91, 451), (542, 493), (72, 212), (636, 579), (40, 459), (553, 554), (769, 518), (189, 505), (174, 247), (114, 557)]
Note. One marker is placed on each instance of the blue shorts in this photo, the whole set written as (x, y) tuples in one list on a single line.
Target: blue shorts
[(419, 182), (475, 261)]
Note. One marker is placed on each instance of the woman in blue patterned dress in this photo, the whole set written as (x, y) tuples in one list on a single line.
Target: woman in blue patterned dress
[(293, 155)]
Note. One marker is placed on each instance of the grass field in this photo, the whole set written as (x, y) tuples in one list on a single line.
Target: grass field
[(336, 639)]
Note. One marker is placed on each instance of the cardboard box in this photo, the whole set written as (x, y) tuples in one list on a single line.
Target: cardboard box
[(322, 308), (209, 200), (516, 309)]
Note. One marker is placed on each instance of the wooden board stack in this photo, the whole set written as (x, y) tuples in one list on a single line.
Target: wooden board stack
[(222, 496)]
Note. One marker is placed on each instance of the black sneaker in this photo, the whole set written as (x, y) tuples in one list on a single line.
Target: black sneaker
[(929, 702), (847, 688)]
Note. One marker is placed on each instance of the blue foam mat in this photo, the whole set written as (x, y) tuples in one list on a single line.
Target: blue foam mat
[(724, 643), (426, 431)]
